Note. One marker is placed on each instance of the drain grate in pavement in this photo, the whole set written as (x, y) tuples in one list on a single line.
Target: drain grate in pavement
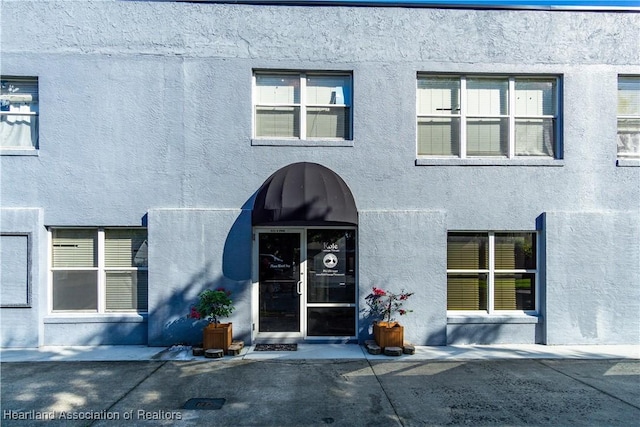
[(204, 403)]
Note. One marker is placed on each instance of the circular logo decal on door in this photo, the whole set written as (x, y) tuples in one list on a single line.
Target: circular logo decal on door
[(330, 260)]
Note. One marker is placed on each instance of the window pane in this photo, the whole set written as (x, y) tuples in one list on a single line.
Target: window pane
[(126, 290), (18, 95), (331, 266), (487, 97), (75, 290), (629, 96), (467, 251), (515, 251), (327, 122), (629, 137), (278, 122), (277, 89), (535, 97), (535, 137), (322, 90), (125, 248), (74, 248), (439, 136), (514, 292), (466, 292), (487, 137), (438, 96), (331, 321), (18, 131)]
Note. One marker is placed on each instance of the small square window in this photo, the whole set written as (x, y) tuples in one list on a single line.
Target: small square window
[(304, 106), (18, 112)]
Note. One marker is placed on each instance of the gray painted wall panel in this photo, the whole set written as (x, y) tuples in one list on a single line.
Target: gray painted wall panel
[(406, 250), (21, 327), (592, 293), (190, 251)]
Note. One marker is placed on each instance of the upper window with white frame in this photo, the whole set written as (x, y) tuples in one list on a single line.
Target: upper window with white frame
[(629, 117), (99, 270), (307, 105), (487, 116), (492, 272), (18, 112)]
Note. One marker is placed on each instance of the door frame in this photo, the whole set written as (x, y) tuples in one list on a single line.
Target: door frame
[(256, 335)]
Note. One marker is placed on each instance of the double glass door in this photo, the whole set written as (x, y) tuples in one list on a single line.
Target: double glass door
[(306, 283)]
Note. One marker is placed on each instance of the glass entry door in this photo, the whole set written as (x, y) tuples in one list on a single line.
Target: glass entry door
[(331, 282), (280, 282), (306, 283)]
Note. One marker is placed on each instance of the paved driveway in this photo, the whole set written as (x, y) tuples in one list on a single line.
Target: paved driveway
[(322, 392)]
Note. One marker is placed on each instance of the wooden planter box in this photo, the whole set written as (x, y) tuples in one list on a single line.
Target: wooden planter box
[(217, 336), (388, 335)]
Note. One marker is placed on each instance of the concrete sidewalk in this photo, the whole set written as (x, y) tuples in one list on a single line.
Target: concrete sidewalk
[(321, 384), (326, 351)]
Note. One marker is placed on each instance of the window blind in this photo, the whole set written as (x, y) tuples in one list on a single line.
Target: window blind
[(279, 122), (126, 290), (629, 96), (125, 248), (515, 251), (439, 136), (327, 122), (74, 248), (438, 96), (487, 97), (504, 292), (277, 89), (467, 252), (466, 292)]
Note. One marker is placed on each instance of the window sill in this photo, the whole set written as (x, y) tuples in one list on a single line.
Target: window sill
[(540, 162), (302, 142), (18, 152), (58, 318), (458, 319), (628, 163)]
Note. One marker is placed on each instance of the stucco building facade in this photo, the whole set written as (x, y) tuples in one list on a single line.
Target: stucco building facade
[(480, 158)]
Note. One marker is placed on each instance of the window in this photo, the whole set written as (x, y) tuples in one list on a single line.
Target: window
[(629, 117), (302, 105), (18, 112), (504, 117), (491, 272), (99, 270)]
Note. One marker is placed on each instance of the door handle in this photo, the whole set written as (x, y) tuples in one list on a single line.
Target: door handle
[(299, 287)]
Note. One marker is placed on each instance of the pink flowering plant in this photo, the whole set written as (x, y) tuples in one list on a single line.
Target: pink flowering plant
[(385, 305), (212, 305)]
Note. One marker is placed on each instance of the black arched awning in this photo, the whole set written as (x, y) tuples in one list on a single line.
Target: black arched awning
[(304, 194)]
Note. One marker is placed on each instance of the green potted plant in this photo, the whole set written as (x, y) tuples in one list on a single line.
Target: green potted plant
[(384, 305), (213, 305)]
